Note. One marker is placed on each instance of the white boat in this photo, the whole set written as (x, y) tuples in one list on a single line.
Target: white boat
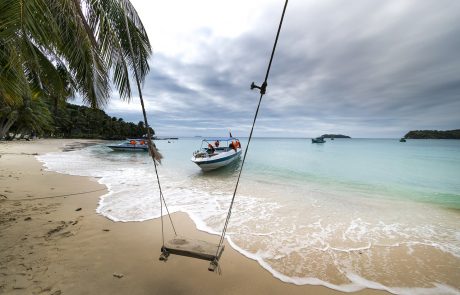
[(131, 145), (217, 152)]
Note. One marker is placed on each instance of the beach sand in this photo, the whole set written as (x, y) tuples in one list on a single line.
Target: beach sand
[(52, 241)]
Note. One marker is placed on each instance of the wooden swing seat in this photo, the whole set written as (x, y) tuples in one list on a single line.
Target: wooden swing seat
[(192, 248)]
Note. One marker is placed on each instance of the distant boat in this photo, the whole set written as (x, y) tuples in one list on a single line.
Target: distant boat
[(402, 140), (131, 145), (318, 140), (216, 152)]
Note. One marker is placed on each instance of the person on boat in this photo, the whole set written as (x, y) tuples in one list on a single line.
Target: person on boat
[(210, 149), (238, 144), (142, 142), (232, 145), (217, 143), (133, 142)]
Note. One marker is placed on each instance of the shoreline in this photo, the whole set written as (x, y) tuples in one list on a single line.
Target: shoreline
[(49, 245)]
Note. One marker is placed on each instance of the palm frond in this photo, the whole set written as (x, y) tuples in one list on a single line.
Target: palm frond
[(13, 81), (67, 46), (106, 17), (83, 60)]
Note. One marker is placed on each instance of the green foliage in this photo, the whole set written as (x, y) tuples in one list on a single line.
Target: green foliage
[(68, 121), (87, 38), (50, 50), (335, 136), (33, 115), (75, 121), (433, 134)]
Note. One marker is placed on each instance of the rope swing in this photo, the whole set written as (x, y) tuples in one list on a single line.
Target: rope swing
[(184, 246), (152, 148), (262, 89)]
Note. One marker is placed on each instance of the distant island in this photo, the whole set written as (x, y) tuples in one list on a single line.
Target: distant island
[(165, 138), (335, 136), (433, 134)]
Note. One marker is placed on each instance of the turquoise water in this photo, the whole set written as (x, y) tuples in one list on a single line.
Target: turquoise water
[(418, 170), (346, 214)]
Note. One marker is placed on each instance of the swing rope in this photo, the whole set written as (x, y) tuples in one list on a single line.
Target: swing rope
[(152, 149), (263, 89)]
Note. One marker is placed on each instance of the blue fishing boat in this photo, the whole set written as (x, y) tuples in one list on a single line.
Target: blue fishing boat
[(131, 145)]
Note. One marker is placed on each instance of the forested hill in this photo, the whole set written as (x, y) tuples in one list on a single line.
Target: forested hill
[(83, 122), (433, 134), (335, 136)]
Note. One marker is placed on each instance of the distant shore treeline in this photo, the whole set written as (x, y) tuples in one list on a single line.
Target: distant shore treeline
[(75, 121), (433, 134), (335, 136)]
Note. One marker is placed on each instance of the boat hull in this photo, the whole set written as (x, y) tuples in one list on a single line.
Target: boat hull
[(221, 160), (128, 148)]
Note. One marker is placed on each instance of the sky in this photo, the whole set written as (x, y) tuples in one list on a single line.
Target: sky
[(369, 69)]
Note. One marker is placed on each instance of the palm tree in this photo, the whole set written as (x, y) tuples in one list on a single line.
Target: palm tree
[(34, 116), (56, 43), (87, 37)]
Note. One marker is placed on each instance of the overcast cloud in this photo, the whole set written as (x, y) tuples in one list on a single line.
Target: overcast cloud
[(363, 68)]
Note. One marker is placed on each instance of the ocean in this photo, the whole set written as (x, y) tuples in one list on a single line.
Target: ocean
[(346, 214)]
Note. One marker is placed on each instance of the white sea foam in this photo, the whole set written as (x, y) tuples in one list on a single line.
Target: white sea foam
[(297, 234)]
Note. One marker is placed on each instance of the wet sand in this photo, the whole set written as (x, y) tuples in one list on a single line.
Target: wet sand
[(52, 241)]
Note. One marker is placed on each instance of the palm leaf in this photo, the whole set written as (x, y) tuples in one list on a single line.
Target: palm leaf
[(106, 17), (13, 81)]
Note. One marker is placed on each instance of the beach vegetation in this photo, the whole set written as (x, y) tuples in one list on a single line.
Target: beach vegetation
[(71, 121), (53, 50), (74, 121)]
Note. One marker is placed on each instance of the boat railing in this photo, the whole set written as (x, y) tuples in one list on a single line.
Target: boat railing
[(201, 154), (205, 152)]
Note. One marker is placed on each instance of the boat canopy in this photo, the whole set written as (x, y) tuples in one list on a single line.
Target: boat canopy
[(220, 139)]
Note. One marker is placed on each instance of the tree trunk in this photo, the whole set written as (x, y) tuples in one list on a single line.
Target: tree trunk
[(6, 125), (6, 121)]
